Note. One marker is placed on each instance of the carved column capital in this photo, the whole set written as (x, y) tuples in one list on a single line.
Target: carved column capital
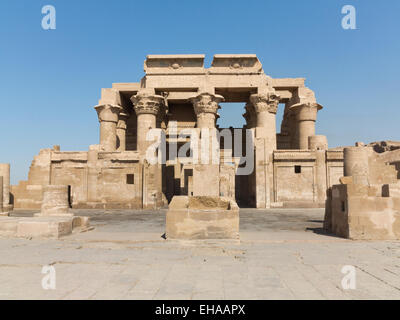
[(265, 102), (108, 112), (144, 103), (306, 111), (206, 103)]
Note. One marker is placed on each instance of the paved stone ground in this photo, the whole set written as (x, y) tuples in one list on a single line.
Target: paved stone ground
[(283, 254)]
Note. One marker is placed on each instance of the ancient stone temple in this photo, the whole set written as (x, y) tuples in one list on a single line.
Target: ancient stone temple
[(177, 93)]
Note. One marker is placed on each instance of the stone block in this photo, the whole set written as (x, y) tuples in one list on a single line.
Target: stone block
[(44, 227), (206, 218)]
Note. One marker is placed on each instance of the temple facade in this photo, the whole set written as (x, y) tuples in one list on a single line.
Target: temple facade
[(292, 168)]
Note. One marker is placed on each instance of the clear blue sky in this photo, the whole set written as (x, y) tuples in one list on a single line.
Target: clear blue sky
[(50, 80)]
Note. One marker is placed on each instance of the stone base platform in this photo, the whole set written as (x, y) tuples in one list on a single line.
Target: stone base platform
[(41, 226), (202, 218)]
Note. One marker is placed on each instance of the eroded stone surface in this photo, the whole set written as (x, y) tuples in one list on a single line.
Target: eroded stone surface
[(202, 218)]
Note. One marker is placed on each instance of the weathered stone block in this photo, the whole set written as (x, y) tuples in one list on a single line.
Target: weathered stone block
[(202, 218), (44, 227)]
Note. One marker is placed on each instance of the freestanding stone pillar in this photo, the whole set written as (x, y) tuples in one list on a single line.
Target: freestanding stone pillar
[(121, 132), (319, 144), (306, 115), (206, 176), (108, 118), (265, 106), (146, 106), (5, 173), (55, 200), (356, 164)]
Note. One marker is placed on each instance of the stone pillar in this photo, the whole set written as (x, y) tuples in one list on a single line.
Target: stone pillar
[(319, 144), (146, 106), (306, 115), (55, 200), (108, 118), (121, 131), (356, 164), (206, 176), (5, 173), (265, 105)]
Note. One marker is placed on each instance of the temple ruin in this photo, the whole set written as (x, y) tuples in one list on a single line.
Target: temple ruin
[(292, 168)]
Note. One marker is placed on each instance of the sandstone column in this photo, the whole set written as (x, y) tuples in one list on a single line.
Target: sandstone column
[(108, 118), (5, 173), (206, 176), (306, 115), (146, 106), (319, 144), (55, 200), (121, 131), (356, 164), (265, 105)]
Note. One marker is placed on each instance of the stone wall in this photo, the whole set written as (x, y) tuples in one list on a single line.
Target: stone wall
[(366, 203), (95, 179)]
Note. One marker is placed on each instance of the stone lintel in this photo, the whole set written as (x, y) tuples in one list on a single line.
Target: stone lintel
[(174, 63), (69, 156), (126, 87), (294, 155), (120, 156), (334, 155), (287, 83), (235, 63)]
